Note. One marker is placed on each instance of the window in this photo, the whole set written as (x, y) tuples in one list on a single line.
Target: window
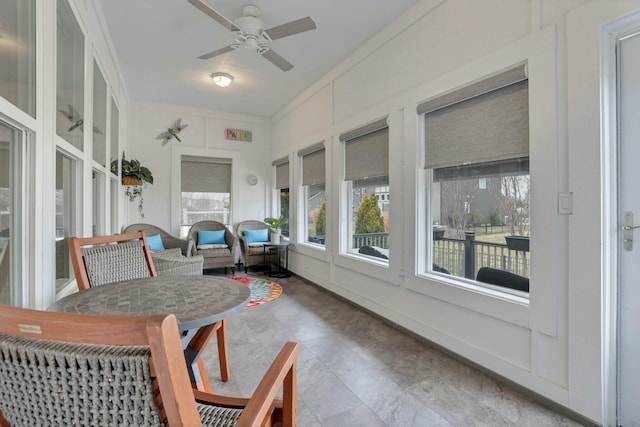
[(98, 203), (66, 203), (477, 152), (70, 77), (114, 134), (313, 189), (99, 117), (115, 138), (18, 48), (366, 154), (282, 186), (14, 166), (114, 191), (206, 191)]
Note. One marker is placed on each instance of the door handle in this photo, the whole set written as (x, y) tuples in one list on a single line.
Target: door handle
[(627, 231)]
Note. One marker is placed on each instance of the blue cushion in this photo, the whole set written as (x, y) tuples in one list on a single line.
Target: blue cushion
[(211, 237), (155, 242), (254, 236)]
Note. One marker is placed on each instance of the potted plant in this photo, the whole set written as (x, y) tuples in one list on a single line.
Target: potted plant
[(134, 177), (276, 225)]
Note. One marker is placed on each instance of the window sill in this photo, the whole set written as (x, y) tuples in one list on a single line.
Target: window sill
[(370, 266), (505, 306)]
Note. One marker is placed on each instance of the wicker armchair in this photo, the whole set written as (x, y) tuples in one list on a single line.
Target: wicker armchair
[(168, 241), (71, 369), (215, 257), (251, 254)]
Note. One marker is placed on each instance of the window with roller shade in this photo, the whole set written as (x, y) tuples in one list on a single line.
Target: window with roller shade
[(205, 191), (477, 150), (281, 167), (366, 154), (313, 187)]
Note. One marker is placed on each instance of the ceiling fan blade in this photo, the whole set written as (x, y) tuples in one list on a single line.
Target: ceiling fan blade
[(216, 53), (277, 60), (290, 28), (215, 15)]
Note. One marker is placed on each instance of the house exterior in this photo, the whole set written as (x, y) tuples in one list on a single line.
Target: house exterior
[(549, 343)]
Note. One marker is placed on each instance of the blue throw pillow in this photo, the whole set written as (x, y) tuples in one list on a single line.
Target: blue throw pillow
[(255, 236), (155, 242), (211, 237)]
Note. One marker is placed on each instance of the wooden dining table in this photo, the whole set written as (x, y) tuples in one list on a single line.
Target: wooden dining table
[(198, 302)]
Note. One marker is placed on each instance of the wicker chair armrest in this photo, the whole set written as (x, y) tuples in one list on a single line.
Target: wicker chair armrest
[(174, 242), (172, 265), (168, 253), (282, 372)]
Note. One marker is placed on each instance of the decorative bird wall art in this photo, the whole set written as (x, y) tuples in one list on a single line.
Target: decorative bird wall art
[(77, 120), (172, 132)]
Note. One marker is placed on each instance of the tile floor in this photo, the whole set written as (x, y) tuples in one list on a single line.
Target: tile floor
[(355, 370)]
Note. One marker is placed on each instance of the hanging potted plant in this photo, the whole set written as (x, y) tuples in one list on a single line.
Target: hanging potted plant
[(276, 225), (134, 177)]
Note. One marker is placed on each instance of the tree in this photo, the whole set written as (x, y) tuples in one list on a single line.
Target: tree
[(514, 201), (457, 196), (369, 218), (321, 221)]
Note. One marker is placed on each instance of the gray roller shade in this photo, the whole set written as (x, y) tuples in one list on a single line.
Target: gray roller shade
[(505, 78), (313, 164), (367, 156), (282, 175), (490, 126), (364, 130), (206, 176)]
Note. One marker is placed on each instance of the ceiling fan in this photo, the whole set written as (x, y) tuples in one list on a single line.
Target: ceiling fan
[(249, 33)]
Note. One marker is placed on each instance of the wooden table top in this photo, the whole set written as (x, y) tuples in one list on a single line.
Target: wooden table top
[(194, 300)]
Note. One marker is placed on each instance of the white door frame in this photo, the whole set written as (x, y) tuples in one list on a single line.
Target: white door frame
[(609, 36)]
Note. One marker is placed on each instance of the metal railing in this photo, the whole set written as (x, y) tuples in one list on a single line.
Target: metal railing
[(380, 240), (464, 258), (461, 257)]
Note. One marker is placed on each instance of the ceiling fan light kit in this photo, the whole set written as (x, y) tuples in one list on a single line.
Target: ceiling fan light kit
[(222, 79), (249, 32)]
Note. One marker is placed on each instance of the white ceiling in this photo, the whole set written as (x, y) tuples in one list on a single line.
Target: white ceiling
[(158, 43)]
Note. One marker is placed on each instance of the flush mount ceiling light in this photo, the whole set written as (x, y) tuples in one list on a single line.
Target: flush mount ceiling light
[(222, 79)]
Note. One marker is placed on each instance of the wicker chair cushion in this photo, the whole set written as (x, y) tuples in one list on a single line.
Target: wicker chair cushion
[(63, 384), (115, 263), (213, 246)]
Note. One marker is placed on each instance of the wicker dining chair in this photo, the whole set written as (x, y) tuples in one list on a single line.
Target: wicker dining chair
[(102, 260), (72, 369)]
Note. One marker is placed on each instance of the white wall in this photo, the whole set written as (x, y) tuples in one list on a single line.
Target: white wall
[(204, 136), (550, 343)]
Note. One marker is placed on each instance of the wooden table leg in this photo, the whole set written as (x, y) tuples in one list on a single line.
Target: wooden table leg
[(197, 372)]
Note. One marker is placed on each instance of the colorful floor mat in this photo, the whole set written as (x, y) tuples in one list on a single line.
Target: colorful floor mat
[(262, 290)]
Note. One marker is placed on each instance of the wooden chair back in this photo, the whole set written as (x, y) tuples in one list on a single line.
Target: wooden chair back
[(106, 259), (81, 369), (72, 369)]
